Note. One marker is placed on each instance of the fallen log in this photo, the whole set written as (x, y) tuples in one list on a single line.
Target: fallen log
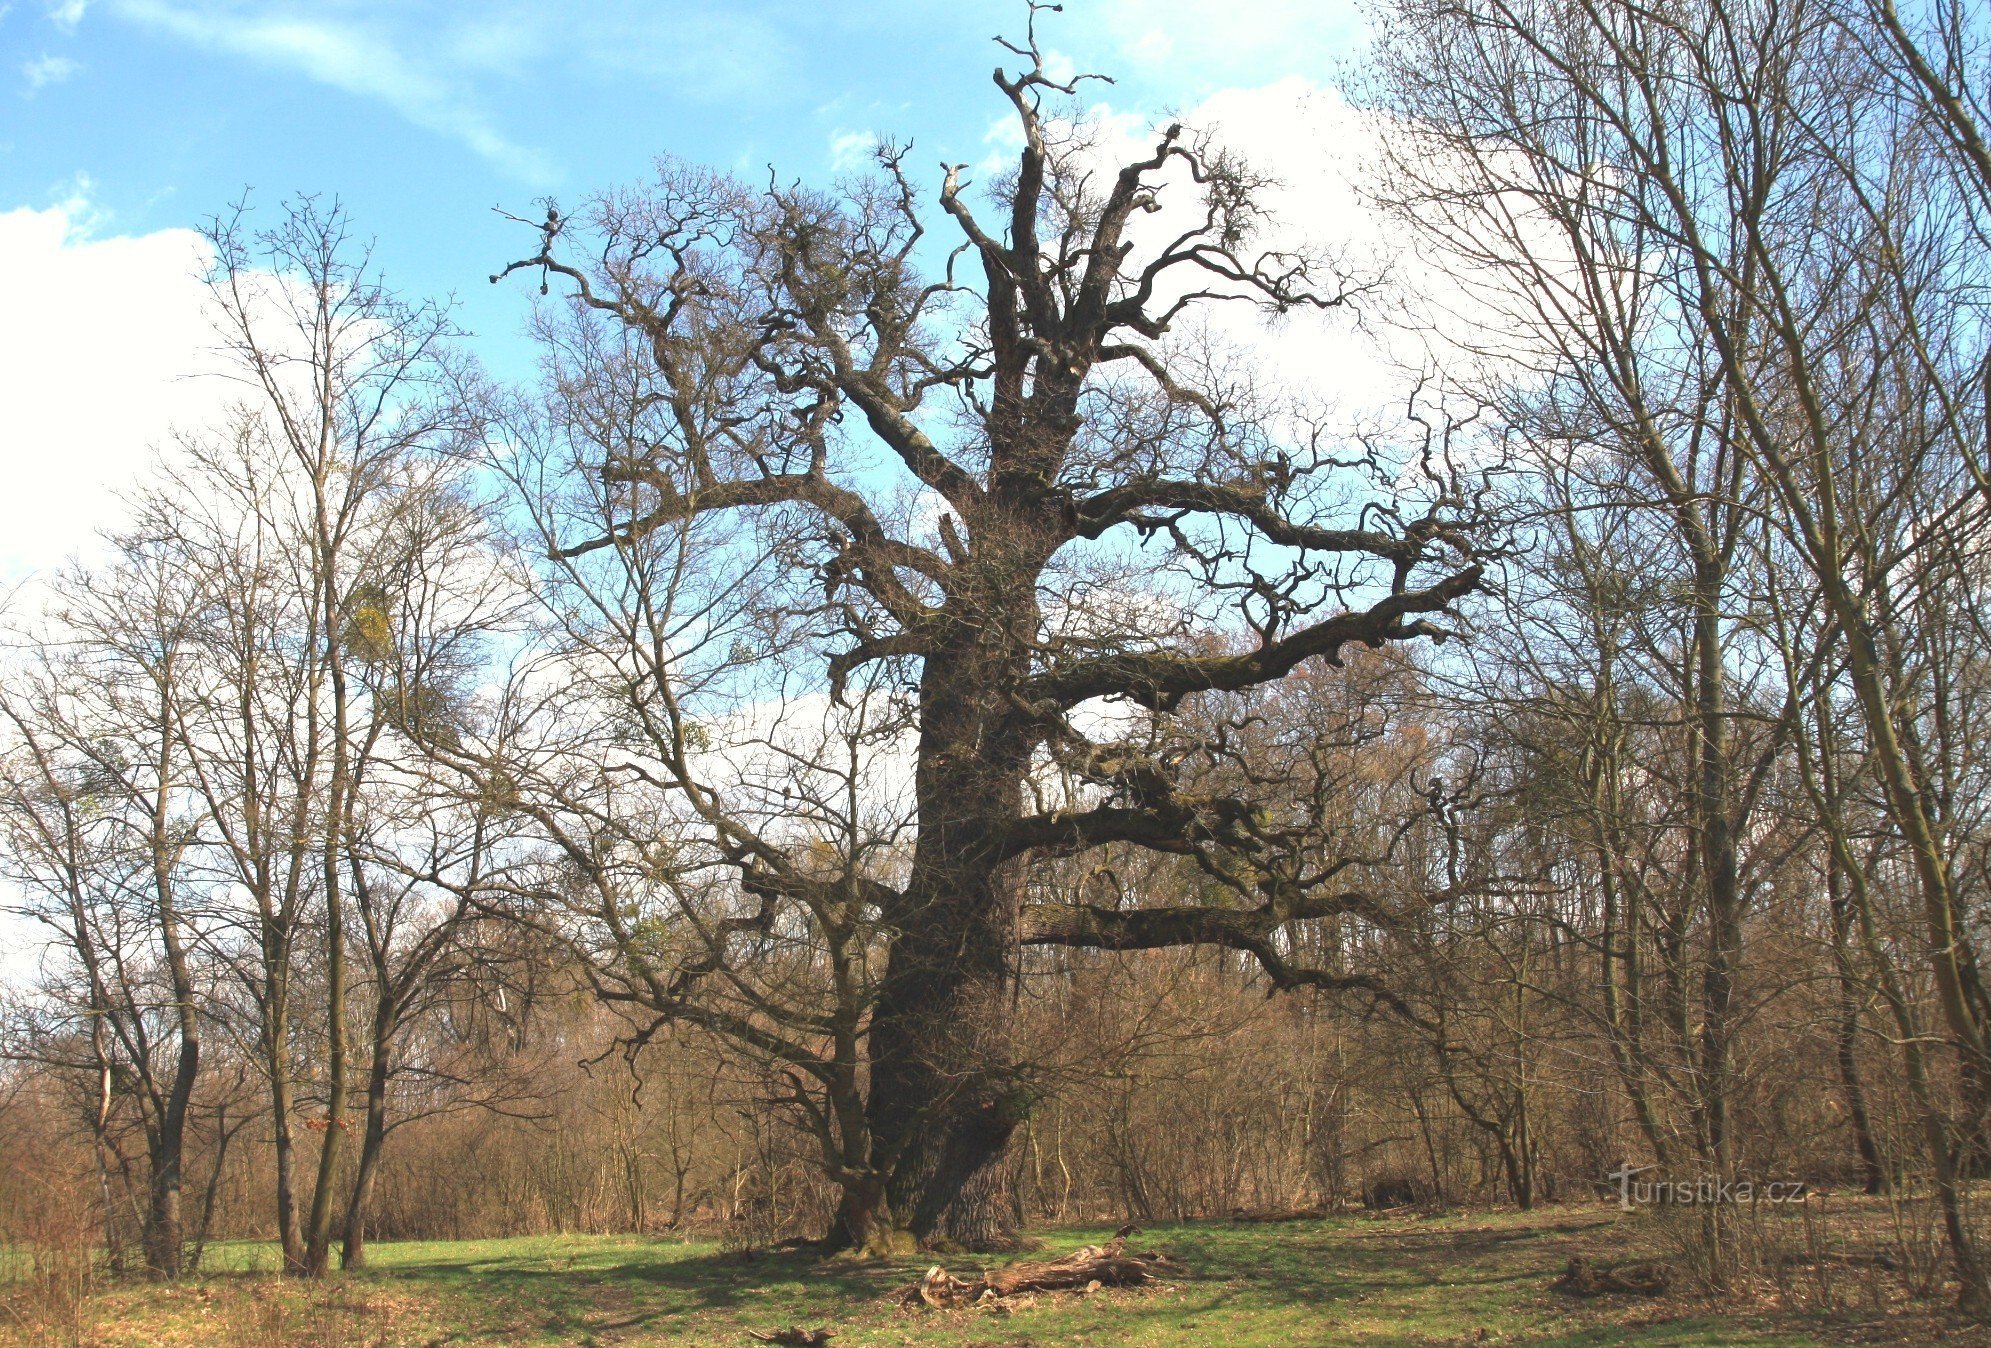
[(1085, 1270), (1279, 1215), (1585, 1279), (794, 1336)]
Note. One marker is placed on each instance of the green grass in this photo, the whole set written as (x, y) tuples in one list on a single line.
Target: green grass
[(1399, 1280)]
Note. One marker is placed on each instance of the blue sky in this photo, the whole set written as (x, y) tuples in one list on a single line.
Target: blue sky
[(422, 115), (125, 123)]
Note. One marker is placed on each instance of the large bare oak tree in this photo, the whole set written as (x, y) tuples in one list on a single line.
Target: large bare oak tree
[(1016, 511)]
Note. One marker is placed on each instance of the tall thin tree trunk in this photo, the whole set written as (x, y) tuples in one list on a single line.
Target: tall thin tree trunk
[(290, 1235), (165, 1237), (1822, 784), (373, 1139), (334, 850), (1873, 1172)]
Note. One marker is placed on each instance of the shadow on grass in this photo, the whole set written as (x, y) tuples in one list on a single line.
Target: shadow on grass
[(641, 1286), (1394, 1280)]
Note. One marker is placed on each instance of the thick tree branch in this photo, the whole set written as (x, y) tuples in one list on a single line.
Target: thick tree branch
[(1252, 930), (1246, 501), (1161, 678), (872, 555)]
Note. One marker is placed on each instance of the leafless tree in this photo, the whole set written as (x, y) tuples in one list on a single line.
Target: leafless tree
[(99, 840), (1731, 226), (299, 519), (789, 432)]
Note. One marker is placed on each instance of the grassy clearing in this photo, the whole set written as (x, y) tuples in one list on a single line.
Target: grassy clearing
[(1468, 1278)]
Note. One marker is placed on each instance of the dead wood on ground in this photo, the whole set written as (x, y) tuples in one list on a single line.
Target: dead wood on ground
[(1085, 1270), (1257, 1215), (1584, 1278)]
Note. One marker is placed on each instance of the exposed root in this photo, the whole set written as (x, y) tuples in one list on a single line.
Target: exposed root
[(794, 1335), (1087, 1270)]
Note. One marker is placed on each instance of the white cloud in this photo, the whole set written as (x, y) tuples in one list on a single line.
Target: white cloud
[(851, 149), (73, 199), (1194, 45), (66, 14), (1152, 48), (1314, 146), (715, 53), (450, 67), (101, 337), (355, 57), (1058, 67), (45, 70)]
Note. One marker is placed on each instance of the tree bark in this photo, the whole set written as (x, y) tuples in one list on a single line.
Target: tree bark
[(1873, 1173), (165, 1242), (945, 1093), (352, 1251)]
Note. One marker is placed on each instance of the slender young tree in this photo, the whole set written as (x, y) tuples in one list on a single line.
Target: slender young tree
[(415, 854), (291, 518), (98, 836), (1754, 206)]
